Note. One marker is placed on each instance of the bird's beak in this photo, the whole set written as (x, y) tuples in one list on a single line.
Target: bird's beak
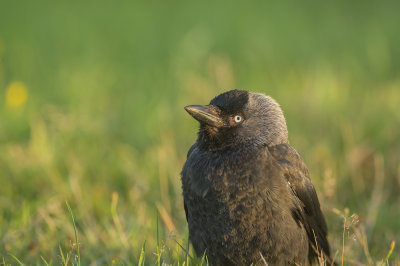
[(208, 114)]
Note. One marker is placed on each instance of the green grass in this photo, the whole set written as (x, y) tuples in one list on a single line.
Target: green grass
[(76, 235), (103, 126)]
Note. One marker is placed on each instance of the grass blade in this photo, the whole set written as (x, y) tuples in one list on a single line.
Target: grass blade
[(178, 254), (158, 239), (187, 251), (204, 258), (76, 234), (142, 254), (45, 262), (392, 244), (16, 259), (263, 259), (158, 242), (62, 255)]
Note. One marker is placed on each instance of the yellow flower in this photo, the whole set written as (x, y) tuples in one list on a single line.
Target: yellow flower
[(16, 94)]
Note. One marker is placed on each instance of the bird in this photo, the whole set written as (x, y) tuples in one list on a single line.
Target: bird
[(247, 194)]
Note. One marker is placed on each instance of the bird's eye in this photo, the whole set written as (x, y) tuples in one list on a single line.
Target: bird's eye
[(238, 119)]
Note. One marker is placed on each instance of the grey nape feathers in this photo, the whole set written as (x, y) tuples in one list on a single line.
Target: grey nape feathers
[(246, 191)]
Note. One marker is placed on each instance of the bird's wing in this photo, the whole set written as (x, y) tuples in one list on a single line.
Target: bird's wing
[(309, 211)]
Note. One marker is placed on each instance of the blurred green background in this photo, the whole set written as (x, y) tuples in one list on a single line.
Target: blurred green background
[(91, 111)]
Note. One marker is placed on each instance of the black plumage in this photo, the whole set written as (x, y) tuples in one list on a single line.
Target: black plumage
[(247, 192)]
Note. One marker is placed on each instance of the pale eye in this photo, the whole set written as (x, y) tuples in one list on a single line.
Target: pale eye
[(238, 119)]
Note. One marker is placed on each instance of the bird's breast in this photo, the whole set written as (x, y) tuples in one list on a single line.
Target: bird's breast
[(230, 174)]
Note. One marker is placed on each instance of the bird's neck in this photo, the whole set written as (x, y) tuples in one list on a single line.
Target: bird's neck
[(225, 144)]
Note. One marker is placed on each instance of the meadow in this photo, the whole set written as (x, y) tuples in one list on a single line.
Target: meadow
[(91, 113)]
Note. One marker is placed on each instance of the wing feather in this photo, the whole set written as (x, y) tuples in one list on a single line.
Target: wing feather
[(309, 211)]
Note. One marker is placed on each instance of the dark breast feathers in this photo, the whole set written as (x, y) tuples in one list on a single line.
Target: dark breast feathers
[(243, 203)]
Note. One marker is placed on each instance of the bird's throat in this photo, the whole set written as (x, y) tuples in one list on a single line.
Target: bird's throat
[(212, 131)]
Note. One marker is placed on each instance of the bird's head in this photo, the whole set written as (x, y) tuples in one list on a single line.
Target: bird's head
[(239, 118)]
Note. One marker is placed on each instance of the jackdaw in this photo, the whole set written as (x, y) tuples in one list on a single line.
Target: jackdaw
[(247, 193)]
